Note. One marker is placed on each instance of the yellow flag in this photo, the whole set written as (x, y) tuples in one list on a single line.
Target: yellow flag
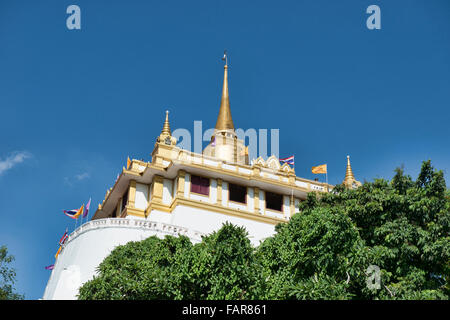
[(79, 212), (319, 169), (128, 162), (244, 152), (57, 253)]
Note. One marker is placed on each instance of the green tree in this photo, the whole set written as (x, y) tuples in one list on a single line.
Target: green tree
[(323, 252), (139, 271), (314, 255), (222, 266), (400, 226), (7, 276)]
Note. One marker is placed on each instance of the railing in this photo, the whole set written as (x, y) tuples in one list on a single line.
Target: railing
[(136, 224), (247, 170)]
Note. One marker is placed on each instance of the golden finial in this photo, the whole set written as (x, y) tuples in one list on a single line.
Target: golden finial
[(224, 121), (225, 57), (166, 127)]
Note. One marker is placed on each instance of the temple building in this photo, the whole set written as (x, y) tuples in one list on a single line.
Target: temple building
[(180, 192)]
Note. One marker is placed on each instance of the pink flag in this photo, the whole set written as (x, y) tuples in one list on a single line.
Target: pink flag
[(86, 210)]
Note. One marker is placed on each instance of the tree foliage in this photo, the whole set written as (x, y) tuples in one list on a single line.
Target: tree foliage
[(324, 251), (7, 276), (222, 266)]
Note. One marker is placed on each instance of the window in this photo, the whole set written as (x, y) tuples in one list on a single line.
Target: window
[(124, 200), (274, 201), (237, 193), (200, 185)]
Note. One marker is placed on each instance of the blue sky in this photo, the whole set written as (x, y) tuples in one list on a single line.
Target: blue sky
[(75, 103)]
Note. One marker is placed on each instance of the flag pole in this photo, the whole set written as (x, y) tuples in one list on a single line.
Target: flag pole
[(82, 214), (292, 189), (87, 208), (292, 200)]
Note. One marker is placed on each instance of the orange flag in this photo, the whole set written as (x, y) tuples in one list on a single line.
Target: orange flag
[(79, 212), (128, 162), (57, 253), (319, 169), (244, 152)]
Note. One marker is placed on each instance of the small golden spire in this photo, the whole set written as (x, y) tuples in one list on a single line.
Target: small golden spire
[(349, 180), (166, 127), (166, 135), (224, 121), (349, 177)]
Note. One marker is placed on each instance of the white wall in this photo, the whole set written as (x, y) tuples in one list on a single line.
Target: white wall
[(251, 199), (208, 221), (142, 192), (187, 185), (296, 204), (286, 206), (213, 190), (92, 243), (224, 193), (262, 201), (167, 191)]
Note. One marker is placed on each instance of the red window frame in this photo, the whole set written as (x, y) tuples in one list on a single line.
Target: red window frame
[(200, 185)]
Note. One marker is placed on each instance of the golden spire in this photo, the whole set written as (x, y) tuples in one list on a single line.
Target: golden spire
[(224, 121), (166, 135), (349, 177), (349, 180), (166, 127)]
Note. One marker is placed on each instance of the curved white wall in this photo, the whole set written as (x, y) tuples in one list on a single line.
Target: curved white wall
[(92, 242)]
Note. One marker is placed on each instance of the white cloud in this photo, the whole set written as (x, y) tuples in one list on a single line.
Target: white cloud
[(82, 176), (13, 159), (77, 177)]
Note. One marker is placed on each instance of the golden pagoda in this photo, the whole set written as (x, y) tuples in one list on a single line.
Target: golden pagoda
[(349, 180), (224, 142)]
